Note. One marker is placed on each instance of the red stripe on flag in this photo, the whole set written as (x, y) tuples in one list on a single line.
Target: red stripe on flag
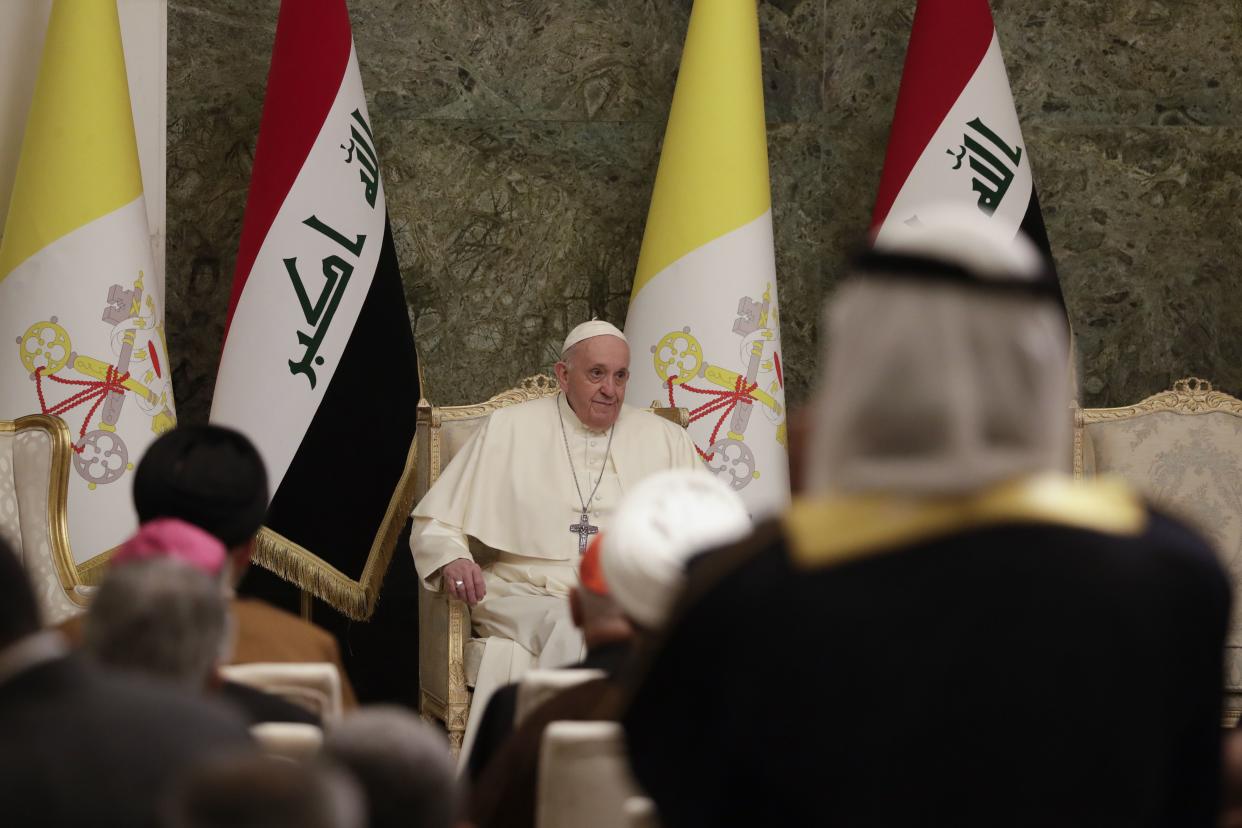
[(309, 57), (947, 42)]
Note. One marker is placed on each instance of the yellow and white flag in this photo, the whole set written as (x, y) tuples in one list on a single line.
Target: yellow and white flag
[(704, 323), (80, 302)]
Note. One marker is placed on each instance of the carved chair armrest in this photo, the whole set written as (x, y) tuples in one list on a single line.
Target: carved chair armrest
[(443, 630)]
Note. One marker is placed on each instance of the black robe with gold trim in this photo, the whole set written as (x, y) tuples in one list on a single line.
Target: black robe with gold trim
[(985, 666)]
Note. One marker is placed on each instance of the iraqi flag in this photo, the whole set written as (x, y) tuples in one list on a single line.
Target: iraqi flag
[(81, 305), (704, 319), (318, 366), (955, 134)]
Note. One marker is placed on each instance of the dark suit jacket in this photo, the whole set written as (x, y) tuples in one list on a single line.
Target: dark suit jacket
[(81, 747), (1020, 674)]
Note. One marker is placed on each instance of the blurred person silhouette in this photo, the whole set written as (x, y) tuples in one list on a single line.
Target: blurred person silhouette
[(162, 612), (945, 629), (629, 579), (161, 618), (403, 764), (213, 478), (265, 792), (1231, 778), (84, 746)]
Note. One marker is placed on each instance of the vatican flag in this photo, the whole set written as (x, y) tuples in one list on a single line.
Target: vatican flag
[(704, 322), (80, 302)]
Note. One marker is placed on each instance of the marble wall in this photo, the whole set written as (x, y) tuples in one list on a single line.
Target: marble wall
[(519, 141)]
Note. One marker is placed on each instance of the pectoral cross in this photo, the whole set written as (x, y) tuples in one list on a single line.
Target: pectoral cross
[(583, 529)]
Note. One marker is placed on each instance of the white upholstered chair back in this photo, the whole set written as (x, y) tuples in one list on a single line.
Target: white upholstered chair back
[(34, 469), (537, 686), (1183, 449), (314, 685), (584, 776), (295, 741)]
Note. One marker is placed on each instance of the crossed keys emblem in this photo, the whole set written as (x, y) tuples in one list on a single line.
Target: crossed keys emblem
[(679, 360), (100, 455)]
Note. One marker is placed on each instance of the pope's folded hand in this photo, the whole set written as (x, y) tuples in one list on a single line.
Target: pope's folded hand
[(463, 579)]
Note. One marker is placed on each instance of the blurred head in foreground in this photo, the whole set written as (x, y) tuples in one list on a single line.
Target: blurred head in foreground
[(160, 617), (19, 609), (403, 764), (661, 523), (208, 476), (252, 791), (945, 366)]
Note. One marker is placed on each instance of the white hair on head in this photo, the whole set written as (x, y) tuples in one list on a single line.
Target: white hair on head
[(161, 617)]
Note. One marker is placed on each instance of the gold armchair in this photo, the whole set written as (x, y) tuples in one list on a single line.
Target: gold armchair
[(1183, 449), (444, 622), (35, 454)]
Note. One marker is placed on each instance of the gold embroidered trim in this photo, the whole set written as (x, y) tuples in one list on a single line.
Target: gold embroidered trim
[(306, 570), (838, 528)]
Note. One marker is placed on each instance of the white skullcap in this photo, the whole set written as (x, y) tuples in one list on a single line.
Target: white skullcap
[(596, 327), (965, 235), (661, 523)]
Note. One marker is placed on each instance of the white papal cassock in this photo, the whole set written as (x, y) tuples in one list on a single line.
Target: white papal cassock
[(511, 488)]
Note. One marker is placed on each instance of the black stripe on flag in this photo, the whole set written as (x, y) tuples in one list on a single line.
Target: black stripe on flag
[(1033, 226), (333, 498)]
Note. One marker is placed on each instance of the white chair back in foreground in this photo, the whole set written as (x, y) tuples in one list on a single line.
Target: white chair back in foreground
[(584, 776), (537, 686), (294, 741), (315, 685)]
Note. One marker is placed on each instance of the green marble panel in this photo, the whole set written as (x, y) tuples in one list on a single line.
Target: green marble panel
[(519, 142), (1145, 226), (217, 71), (533, 59), (509, 234), (607, 60), (797, 154), (1132, 62)]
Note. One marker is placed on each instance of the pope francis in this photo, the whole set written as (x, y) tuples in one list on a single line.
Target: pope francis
[(534, 483)]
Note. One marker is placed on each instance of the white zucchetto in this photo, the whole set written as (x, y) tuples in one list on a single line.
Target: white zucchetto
[(660, 524), (596, 327)]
